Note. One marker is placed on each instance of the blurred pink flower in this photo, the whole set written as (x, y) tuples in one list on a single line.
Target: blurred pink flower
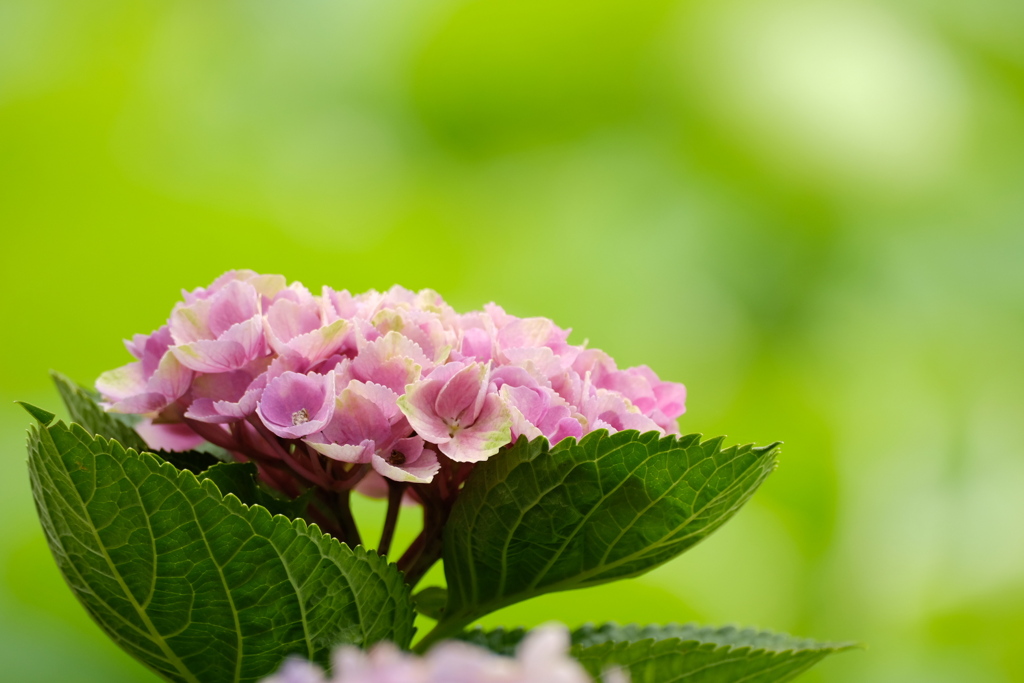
[(542, 657)]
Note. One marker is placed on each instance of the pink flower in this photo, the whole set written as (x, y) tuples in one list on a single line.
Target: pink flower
[(343, 305), (175, 436), (520, 339), (295, 405), (605, 409), (414, 379), (295, 325), (368, 427), (151, 383), (231, 396), (542, 657), (662, 401), (539, 411), (423, 328), (393, 361), (366, 421), (296, 670), (265, 285), (457, 409), (478, 338), (220, 333), (408, 460), (426, 300), (669, 399)]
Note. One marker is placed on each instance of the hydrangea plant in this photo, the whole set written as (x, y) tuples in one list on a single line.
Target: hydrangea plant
[(199, 503)]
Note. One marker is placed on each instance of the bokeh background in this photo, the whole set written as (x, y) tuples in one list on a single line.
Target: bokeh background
[(809, 211)]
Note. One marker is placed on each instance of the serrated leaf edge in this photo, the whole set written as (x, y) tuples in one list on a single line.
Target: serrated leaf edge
[(540, 446), (517, 633), (249, 512)]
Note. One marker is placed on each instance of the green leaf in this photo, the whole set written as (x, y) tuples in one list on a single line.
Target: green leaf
[(690, 653), (430, 601), (500, 640), (239, 478), (85, 410), (195, 462), (698, 655), (535, 519), (45, 417), (84, 407), (194, 584)]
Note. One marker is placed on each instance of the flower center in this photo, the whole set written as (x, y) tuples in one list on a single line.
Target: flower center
[(396, 458), (300, 416), (453, 426)]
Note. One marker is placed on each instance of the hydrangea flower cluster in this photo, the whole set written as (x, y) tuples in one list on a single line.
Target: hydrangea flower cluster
[(395, 383), (392, 394), (542, 657), (272, 389)]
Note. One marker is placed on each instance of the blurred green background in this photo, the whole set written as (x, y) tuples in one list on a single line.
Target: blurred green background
[(809, 211)]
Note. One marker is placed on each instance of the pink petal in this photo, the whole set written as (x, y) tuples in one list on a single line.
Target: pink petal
[(211, 356), (418, 407), (361, 452), (223, 386), (531, 403), (671, 398), (634, 387), (266, 286), (226, 397), (321, 343), (246, 405), (172, 379), (295, 670), (168, 437), (612, 411), (393, 361), (477, 345), (119, 384), (498, 316), (541, 361), (530, 332), (188, 323), (249, 334), (289, 395), (522, 426), (566, 427), (356, 418), (491, 431), (233, 304), (422, 471), (136, 345), (154, 349), (204, 410), (140, 404), (515, 376), (423, 329), (382, 397), (287, 319), (460, 397)]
